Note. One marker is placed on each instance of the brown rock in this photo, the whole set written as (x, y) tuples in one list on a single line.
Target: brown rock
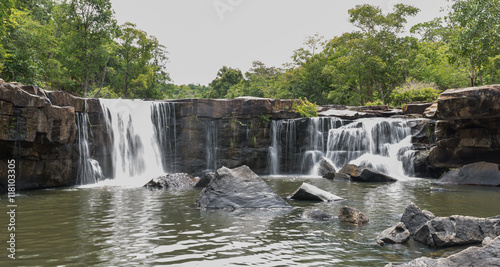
[(469, 103), (350, 215)]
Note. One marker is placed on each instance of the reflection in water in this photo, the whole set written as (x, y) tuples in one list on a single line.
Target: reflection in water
[(116, 226)]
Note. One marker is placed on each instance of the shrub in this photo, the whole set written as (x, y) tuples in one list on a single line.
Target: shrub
[(305, 108)]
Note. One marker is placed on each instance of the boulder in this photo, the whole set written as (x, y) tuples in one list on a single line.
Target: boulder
[(350, 215), (175, 181), (205, 179), (487, 255), (317, 215), (395, 235), (415, 108), (469, 103), (325, 168), (310, 192), (479, 173), (365, 174), (236, 189), (456, 230), (413, 218)]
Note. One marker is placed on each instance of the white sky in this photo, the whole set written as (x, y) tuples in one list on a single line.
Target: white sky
[(201, 38)]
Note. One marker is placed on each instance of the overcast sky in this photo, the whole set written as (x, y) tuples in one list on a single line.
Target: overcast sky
[(204, 35)]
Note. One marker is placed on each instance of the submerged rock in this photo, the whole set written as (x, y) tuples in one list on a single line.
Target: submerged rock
[(350, 215), (236, 189), (488, 255), (395, 235), (176, 181), (479, 173), (310, 192), (365, 174), (317, 215)]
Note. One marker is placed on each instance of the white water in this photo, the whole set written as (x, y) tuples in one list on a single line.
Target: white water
[(135, 152), (212, 146), (89, 171)]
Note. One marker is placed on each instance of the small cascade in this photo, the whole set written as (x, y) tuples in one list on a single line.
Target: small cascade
[(317, 131), (135, 153), (89, 170), (282, 152), (164, 118), (383, 144), (212, 145)]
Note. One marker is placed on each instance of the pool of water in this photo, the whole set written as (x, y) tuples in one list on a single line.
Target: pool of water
[(117, 226)]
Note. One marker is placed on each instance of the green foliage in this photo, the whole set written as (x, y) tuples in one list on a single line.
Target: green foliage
[(414, 91), (265, 118), (306, 109), (226, 77)]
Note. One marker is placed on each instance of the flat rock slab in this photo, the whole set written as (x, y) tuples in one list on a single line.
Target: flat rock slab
[(479, 173), (238, 188), (175, 181), (365, 174), (312, 193)]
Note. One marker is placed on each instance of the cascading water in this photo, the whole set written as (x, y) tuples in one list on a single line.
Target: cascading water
[(164, 118), (382, 144), (212, 148), (135, 153), (89, 170), (280, 159), (317, 129)]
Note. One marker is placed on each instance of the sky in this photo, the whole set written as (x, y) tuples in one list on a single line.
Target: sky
[(201, 36)]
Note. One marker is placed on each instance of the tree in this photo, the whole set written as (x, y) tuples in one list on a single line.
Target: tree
[(475, 27), (226, 77), (89, 28), (6, 7)]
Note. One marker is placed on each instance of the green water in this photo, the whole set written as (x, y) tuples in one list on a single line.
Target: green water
[(114, 226)]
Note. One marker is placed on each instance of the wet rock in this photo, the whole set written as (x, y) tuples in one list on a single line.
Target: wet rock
[(456, 230), (325, 168), (488, 255), (479, 173), (175, 181), (413, 217), (317, 215), (312, 193), (397, 234), (365, 174), (349, 215), (415, 108), (205, 179), (236, 189)]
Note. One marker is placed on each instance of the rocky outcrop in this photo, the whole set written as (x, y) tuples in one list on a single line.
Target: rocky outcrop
[(416, 108), (479, 173), (238, 188), (487, 255), (174, 181), (394, 235), (365, 174), (317, 215), (467, 127), (414, 218), (349, 215), (312, 193)]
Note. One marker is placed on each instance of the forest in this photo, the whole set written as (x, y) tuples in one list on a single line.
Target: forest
[(77, 46)]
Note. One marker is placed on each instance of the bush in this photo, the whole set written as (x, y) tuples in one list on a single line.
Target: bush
[(413, 91), (306, 109)]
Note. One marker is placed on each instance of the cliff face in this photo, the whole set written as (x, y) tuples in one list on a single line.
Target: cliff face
[(467, 127)]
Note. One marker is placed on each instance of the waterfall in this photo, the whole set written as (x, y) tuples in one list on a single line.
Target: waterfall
[(164, 122), (211, 148), (382, 144), (136, 150), (89, 170), (317, 130), (282, 155)]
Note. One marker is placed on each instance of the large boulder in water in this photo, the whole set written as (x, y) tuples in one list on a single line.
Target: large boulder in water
[(414, 217), (236, 189), (325, 168), (488, 255), (175, 181), (317, 215), (310, 192), (349, 215), (365, 174), (479, 173), (205, 179)]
